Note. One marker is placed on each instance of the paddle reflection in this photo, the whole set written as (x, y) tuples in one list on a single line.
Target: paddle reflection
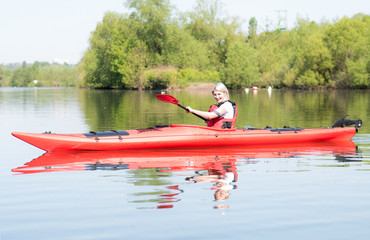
[(153, 168)]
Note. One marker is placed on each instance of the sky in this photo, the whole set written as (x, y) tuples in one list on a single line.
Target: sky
[(59, 30)]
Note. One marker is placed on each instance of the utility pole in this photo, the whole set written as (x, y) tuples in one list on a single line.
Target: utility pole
[(282, 20)]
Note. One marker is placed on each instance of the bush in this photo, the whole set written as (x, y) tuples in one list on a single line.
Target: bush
[(190, 75), (358, 73), (211, 76), (309, 79), (193, 75), (158, 78)]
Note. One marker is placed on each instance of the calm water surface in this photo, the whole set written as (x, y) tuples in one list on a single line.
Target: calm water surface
[(316, 191)]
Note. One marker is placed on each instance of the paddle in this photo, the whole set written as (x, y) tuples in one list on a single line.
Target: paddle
[(173, 100)]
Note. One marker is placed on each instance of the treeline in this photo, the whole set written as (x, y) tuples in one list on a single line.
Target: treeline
[(156, 47), (41, 74)]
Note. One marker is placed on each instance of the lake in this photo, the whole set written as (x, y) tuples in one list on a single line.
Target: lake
[(306, 191)]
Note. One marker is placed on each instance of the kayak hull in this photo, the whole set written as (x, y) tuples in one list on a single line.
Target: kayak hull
[(180, 136)]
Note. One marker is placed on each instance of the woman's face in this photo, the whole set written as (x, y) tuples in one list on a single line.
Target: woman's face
[(219, 96)]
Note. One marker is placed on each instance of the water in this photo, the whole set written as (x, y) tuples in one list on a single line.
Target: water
[(286, 192)]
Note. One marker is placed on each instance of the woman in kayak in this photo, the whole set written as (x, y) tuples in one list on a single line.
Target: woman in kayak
[(220, 115)]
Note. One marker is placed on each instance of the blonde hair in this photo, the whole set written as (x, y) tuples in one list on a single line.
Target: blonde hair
[(222, 88)]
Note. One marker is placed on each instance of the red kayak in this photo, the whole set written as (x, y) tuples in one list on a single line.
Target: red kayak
[(181, 136)]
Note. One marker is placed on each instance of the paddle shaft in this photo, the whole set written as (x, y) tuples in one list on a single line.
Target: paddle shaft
[(192, 113)]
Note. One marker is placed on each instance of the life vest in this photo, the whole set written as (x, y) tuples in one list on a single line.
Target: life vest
[(220, 122)]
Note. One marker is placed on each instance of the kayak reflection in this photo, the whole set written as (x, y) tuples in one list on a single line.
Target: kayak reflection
[(187, 159), (217, 166)]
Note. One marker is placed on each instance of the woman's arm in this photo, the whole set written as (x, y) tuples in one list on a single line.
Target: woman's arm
[(207, 115)]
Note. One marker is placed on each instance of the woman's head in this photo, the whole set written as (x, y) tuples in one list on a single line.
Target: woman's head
[(220, 88)]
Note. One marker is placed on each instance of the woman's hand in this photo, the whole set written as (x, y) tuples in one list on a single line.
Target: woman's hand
[(189, 109)]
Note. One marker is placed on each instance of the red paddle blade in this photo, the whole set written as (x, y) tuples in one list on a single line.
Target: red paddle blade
[(167, 99)]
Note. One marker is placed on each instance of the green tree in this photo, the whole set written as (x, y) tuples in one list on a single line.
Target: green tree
[(241, 67), (296, 58), (348, 41), (100, 72), (128, 54), (23, 76), (252, 29), (2, 76), (358, 72), (183, 50), (206, 25), (203, 22), (137, 50), (150, 19), (275, 54), (313, 61)]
